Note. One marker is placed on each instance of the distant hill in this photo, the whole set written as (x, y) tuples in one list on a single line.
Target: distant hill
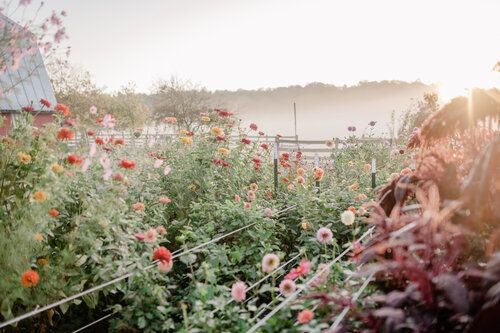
[(323, 110)]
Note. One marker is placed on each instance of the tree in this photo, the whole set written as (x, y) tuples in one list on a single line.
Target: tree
[(415, 116), (74, 87), (180, 99)]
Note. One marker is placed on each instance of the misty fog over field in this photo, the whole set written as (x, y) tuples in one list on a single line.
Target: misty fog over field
[(323, 111)]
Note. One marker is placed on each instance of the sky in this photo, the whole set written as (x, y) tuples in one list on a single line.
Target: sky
[(249, 44)]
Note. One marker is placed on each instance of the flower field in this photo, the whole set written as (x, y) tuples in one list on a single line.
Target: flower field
[(190, 233)]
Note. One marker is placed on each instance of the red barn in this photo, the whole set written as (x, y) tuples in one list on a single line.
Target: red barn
[(24, 83)]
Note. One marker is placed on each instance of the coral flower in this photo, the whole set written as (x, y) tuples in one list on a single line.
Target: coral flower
[(127, 164), (300, 180), (318, 173), (118, 176), (238, 291), (223, 151), (74, 159), (270, 262), (246, 141), (347, 217), (301, 172), (45, 102), (247, 205), (305, 316), (29, 278), (39, 196), (23, 158), (99, 141), (253, 127), (251, 195), (165, 200), (28, 108), (367, 167), (287, 287), (53, 212), (302, 270), (264, 146), (57, 168), (38, 237), (354, 187), (150, 236), (237, 198), (324, 235), (63, 109), (138, 207), (65, 134), (119, 141)]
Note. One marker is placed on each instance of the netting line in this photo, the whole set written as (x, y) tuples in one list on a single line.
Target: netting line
[(293, 296), (354, 298), (95, 322), (123, 277)]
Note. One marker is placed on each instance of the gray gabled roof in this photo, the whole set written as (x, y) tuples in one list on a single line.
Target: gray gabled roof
[(28, 83)]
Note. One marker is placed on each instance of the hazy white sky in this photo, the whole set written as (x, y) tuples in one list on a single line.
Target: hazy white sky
[(230, 44)]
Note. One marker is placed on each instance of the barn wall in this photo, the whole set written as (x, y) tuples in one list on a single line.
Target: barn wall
[(40, 121)]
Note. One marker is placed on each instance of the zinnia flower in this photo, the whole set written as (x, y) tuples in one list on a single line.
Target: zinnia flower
[(322, 275), (90, 132), (301, 172), (53, 212), (187, 140), (237, 198), (138, 207), (247, 205), (264, 146), (93, 109), (305, 316), (158, 162), (167, 170), (268, 212), (45, 102), (29, 278), (254, 186), (324, 235), (150, 236), (38, 237), (118, 176), (164, 258), (165, 200), (251, 195), (127, 164), (223, 151), (63, 109), (354, 187), (302, 270), (205, 119), (287, 287), (238, 291), (65, 134), (367, 167), (119, 141), (161, 230), (165, 266), (318, 173), (405, 171), (57, 168), (217, 131), (300, 180), (74, 159), (39, 196), (170, 120), (347, 217), (23, 158), (99, 141), (270, 262), (253, 127), (246, 141)]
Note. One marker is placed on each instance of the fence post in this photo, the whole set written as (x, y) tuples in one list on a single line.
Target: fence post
[(374, 172), (275, 157)]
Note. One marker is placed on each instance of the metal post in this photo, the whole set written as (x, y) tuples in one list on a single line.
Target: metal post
[(374, 172), (316, 165), (295, 119)]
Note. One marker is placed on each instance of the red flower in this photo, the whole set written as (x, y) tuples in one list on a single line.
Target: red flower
[(264, 146), (90, 132), (298, 156), (261, 133), (74, 159), (54, 212), (221, 137), (305, 316), (28, 108), (246, 141), (302, 270), (223, 113), (127, 164), (63, 109), (99, 141), (162, 254), (190, 133), (253, 126), (45, 102), (65, 134), (285, 180), (29, 278), (285, 156)]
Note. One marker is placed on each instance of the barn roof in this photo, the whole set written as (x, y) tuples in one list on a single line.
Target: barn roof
[(27, 84)]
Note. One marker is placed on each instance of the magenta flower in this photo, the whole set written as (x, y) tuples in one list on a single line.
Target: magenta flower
[(238, 291)]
